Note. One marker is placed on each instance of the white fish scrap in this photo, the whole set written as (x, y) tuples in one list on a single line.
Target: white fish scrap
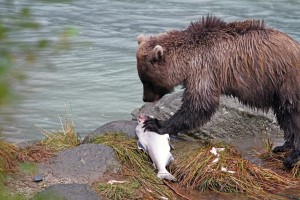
[(111, 182), (157, 146), (216, 151), (224, 169)]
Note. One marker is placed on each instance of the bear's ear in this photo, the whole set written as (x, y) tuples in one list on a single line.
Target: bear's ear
[(141, 38), (158, 52)]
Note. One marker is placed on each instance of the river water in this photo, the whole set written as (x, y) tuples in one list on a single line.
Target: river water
[(97, 77)]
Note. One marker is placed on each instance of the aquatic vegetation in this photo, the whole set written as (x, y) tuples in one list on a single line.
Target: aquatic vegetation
[(135, 164)]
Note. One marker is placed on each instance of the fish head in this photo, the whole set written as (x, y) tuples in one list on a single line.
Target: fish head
[(142, 118)]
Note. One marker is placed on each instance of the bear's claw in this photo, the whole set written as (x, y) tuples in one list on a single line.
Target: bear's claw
[(284, 148), (152, 124)]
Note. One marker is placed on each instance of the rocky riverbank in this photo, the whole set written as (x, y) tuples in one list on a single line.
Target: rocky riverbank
[(71, 173)]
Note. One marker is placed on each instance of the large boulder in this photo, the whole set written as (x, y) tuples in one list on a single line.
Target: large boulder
[(232, 119)]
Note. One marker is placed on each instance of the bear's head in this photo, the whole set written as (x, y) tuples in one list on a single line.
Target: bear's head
[(152, 69)]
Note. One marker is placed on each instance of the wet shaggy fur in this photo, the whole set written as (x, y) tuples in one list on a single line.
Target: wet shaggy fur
[(260, 66)]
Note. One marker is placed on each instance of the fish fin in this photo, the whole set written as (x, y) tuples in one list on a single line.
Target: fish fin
[(171, 159), (140, 146), (136, 132), (172, 146), (166, 175), (154, 165)]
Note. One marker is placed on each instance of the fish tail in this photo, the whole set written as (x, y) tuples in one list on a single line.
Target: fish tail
[(166, 175)]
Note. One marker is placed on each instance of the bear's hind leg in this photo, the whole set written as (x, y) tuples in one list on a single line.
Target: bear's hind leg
[(285, 124), (294, 156)]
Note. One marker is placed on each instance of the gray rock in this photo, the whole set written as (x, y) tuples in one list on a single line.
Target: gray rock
[(67, 192), (162, 109), (125, 126), (232, 119), (82, 164)]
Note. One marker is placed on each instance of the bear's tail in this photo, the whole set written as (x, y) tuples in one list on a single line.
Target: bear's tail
[(166, 175)]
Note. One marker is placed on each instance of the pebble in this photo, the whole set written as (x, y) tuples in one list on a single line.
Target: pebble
[(38, 178)]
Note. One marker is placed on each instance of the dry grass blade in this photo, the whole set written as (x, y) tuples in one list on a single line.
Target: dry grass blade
[(63, 139), (275, 160), (136, 164), (229, 172), (8, 154), (296, 170), (35, 153)]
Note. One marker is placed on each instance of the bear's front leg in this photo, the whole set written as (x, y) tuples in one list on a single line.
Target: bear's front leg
[(196, 109)]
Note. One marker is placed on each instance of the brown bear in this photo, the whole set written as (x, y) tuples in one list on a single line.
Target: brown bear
[(260, 66)]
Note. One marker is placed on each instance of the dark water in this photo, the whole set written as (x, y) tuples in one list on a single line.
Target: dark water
[(98, 77)]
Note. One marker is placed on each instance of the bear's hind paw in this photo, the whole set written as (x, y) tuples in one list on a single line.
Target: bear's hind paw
[(291, 159)]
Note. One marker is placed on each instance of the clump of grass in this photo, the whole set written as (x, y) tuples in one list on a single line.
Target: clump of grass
[(275, 160), (8, 164), (196, 170), (137, 165), (271, 160), (62, 139), (8, 154), (267, 141), (35, 153)]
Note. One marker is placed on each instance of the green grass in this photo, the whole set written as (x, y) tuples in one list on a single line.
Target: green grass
[(28, 168), (127, 190)]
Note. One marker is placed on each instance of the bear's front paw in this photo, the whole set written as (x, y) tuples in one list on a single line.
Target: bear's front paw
[(291, 159), (152, 124)]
